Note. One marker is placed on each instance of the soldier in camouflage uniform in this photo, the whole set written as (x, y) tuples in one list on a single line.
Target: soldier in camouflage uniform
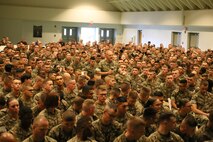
[(27, 96), (69, 93), (101, 93), (23, 129), (16, 86), (202, 100), (168, 86), (107, 66), (39, 131), (150, 117), (151, 81), (122, 115), (122, 75), (66, 130), (135, 79), (164, 132), (50, 112), (106, 129), (205, 132), (134, 131), (180, 93), (11, 118), (132, 108)]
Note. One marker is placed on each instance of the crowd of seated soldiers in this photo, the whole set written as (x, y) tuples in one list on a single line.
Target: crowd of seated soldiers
[(68, 91)]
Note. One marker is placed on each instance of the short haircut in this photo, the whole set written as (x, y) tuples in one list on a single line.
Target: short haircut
[(158, 94), (68, 115), (133, 95), (78, 101), (87, 104), (165, 116), (149, 113), (51, 100), (183, 81), (25, 77), (190, 121), (135, 123), (125, 86)]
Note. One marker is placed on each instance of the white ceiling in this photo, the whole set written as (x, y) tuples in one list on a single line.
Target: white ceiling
[(117, 5)]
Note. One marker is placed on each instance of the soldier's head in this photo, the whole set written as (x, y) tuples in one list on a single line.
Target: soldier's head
[(135, 128), (13, 106), (150, 115), (68, 120), (184, 105), (88, 107), (101, 92), (84, 128), (132, 97), (182, 84), (110, 80), (52, 100), (109, 114), (169, 78), (121, 105), (144, 94), (16, 84), (167, 121), (188, 125), (109, 55), (204, 84), (7, 137), (154, 103), (40, 128), (26, 117), (77, 103)]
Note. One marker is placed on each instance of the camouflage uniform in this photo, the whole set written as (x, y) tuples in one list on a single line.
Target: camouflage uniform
[(20, 133), (179, 95), (46, 139), (53, 119), (99, 109), (136, 82), (140, 106), (203, 101), (204, 133), (150, 129), (68, 97), (157, 137), (36, 111), (120, 78), (3, 112), (75, 139), (122, 138), (134, 110), (106, 133), (122, 120), (58, 134), (105, 66), (153, 84), (8, 122), (29, 103), (167, 90)]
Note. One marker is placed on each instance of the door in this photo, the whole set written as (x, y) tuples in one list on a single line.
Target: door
[(69, 34), (193, 39), (176, 38), (107, 35)]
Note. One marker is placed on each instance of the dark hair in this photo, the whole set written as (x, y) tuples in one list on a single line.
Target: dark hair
[(51, 100), (83, 128), (149, 113), (25, 77), (158, 94), (190, 121), (2, 100), (165, 116), (183, 81), (8, 67), (182, 102), (150, 102)]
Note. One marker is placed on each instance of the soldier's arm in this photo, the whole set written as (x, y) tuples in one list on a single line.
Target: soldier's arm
[(198, 111)]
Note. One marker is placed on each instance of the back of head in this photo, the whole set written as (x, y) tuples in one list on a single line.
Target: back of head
[(149, 113), (165, 116), (87, 104), (68, 115), (7, 137), (190, 121), (83, 128), (135, 123)]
